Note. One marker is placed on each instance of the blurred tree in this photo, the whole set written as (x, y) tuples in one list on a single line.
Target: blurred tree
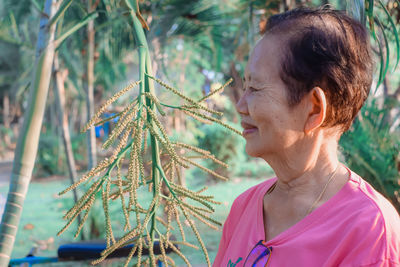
[(91, 140), (59, 78), (27, 145), (15, 52), (29, 136)]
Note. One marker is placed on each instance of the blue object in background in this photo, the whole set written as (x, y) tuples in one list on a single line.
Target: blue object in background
[(31, 260), (98, 130), (104, 129)]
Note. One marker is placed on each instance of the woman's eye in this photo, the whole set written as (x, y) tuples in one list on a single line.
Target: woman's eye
[(251, 89)]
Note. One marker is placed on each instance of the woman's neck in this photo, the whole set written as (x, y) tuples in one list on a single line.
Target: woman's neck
[(304, 170)]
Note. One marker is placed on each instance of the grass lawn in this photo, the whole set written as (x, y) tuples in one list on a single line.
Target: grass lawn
[(43, 210)]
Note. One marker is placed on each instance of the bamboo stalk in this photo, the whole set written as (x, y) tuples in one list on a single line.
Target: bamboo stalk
[(25, 153)]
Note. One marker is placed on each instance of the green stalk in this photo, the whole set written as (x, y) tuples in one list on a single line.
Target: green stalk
[(148, 86), (25, 153), (156, 162)]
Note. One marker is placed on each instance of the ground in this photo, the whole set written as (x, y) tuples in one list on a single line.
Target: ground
[(43, 209)]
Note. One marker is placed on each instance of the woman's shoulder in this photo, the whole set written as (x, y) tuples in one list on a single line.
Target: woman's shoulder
[(374, 202), (369, 218), (377, 213)]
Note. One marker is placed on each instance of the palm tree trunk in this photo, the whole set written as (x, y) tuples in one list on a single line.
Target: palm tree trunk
[(25, 153), (91, 135), (59, 94)]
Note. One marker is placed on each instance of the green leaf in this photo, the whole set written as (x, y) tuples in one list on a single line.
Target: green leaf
[(79, 25), (36, 5), (14, 26), (371, 17), (384, 66), (395, 33), (60, 12)]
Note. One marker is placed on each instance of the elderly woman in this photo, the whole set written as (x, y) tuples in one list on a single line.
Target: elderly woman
[(304, 83)]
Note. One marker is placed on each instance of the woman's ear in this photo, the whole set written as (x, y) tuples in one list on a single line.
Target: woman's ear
[(317, 109)]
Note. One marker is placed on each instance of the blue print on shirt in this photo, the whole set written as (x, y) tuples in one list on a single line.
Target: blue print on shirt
[(231, 264)]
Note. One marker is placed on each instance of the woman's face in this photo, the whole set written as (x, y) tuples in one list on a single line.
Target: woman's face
[(271, 127)]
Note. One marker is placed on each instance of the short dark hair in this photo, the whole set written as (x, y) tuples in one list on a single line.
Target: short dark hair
[(329, 49)]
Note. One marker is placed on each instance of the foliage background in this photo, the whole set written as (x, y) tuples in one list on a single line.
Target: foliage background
[(196, 45)]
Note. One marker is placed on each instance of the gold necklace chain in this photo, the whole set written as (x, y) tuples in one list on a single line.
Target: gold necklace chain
[(323, 190), (320, 195)]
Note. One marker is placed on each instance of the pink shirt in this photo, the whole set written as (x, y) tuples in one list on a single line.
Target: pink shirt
[(356, 227)]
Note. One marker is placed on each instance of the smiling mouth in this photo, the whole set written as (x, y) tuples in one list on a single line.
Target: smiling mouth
[(249, 131), (248, 128)]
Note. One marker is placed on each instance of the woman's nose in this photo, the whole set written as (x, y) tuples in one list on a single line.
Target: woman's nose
[(241, 105)]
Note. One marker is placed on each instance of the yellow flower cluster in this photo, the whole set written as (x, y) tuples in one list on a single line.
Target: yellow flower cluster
[(137, 121), (107, 103)]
